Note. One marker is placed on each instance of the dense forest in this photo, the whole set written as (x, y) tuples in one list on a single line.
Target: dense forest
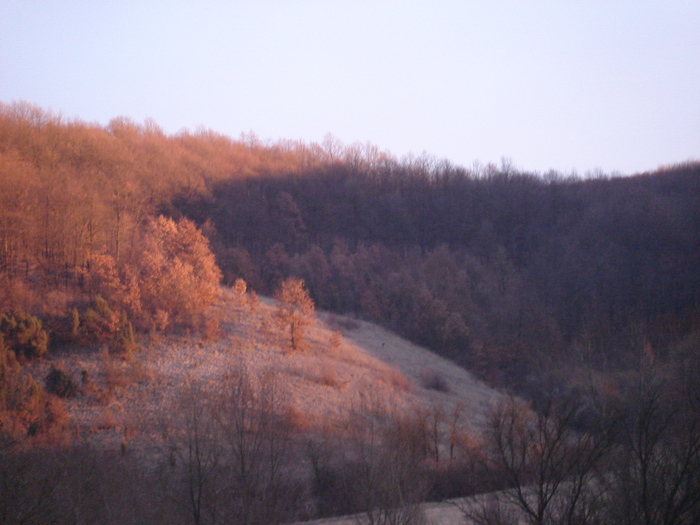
[(581, 294), (502, 271)]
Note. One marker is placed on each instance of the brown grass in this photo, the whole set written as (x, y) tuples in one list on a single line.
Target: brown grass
[(394, 377), (328, 375), (322, 385)]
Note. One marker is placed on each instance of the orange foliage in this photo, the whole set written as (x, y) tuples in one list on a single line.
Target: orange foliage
[(177, 271), (295, 310), (74, 199)]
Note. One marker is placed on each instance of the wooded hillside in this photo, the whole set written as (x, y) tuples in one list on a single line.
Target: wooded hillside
[(502, 271)]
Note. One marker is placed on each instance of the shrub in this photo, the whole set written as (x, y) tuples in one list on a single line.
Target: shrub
[(396, 378), (335, 341), (295, 419), (253, 301), (75, 325), (8, 361), (161, 319), (432, 380), (240, 287), (100, 322), (24, 335), (59, 383), (328, 375), (113, 373), (124, 342), (27, 410), (211, 328), (342, 323)]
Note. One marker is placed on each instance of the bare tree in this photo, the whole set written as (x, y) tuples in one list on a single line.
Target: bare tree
[(386, 459), (657, 476), (257, 443), (28, 481), (229, 452), (548, 469), (199, 452)]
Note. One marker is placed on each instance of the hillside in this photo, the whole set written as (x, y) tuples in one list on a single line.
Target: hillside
[(322, 384), (523, 278), (127, 382), (305, 420)]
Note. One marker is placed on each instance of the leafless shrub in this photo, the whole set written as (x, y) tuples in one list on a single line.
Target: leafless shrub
[(433, 380), (394, 377), (489, 509), (335, 341), (547, 468)]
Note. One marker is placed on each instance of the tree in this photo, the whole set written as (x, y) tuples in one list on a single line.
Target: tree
[(377, 468), (257, 442), (229, 457), (295, 310), (24, 334), (549, 468), (195, 445), (657, 474), (177, 272), (28, 482)]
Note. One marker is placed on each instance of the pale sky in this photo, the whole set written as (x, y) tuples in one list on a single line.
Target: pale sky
[(588, 85)]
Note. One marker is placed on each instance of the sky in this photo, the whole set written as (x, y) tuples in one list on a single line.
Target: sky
[(576, 86)]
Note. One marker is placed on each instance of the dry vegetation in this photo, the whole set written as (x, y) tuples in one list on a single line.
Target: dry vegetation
[(132, 390), (350, 388), (345, 361)]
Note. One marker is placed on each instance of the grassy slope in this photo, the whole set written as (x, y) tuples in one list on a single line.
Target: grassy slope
[(127, 401)]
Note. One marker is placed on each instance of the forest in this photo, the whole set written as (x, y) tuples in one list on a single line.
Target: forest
[(534, 282), (499, 270)]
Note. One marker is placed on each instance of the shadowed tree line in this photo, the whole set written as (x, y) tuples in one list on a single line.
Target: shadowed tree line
[(499, 270)]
